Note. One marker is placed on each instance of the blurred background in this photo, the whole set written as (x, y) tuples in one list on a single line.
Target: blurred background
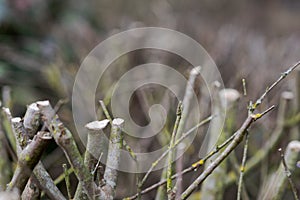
[(42, 44)]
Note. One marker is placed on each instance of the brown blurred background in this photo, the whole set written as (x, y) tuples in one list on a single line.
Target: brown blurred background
[(40, 40), (42, 44)]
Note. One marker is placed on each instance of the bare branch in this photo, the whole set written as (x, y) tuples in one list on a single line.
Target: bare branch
[(276, 180), (170, 193), (40, 175), (113, 159), (63, 137), (95, 146), (239, 135), (283, 75), (288, 175), (28, 158), (186, 102), (67, 180), (243, 167)]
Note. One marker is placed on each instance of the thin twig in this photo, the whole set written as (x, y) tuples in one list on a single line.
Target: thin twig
[(184, 136), (288, 175), (276, 180), (235, 139), (67, 180), (239, 135), (261, 154), (59, 104), (171, 152), (193, 167), (98, 163), (61, 177), (189, 91), (283, 75), (225, 99), (243, 167), (186, 102), (107, 115), (105, 111), (214, 151), (178, 188)]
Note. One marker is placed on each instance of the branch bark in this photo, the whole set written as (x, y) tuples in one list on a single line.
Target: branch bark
[(113, 160), (95, 146), (28, 159), (63, 137)]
